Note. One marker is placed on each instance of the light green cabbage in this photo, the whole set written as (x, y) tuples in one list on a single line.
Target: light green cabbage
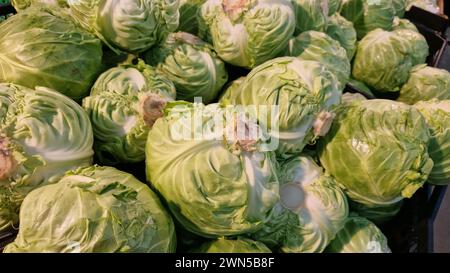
[(368, 15), (127, 25), (318, 46), (189, 10), (429, 5), (312, 209), (43, 134), (399, 7), (94, 209), (351, 97), (311, 15), (215, 182), (334, 6), (403, 24), (425, 83), (53, 52), (384, 59), (247, 33), (239, 245), (305, 93), (377, 213), (123, 105), (23, 4), (191, 65), (437, 116), (342, 31), (377, 151), (359, 236)]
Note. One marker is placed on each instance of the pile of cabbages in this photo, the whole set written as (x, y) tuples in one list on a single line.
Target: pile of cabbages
[(87, 85)]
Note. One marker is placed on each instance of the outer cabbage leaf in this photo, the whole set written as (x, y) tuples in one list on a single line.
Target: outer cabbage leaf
[(318, 46), (377, 213), (403, 24), (377, 151), (94, 209), (189, 10), (334, 6), (247, 33), (311, 15), (399, 7), (43, 134), (53, 52), (359, 235), (425, 83), (191, 65), (384, 59), (368, 15), (437, 116), (312, 209), (304, 94), (239, 245), (124, 103)]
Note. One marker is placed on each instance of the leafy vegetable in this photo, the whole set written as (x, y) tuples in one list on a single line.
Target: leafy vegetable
[(334, 6), (399, 7), (310, 14), (437, 116), (368, 15), (215, 182), (384, 59), (312, 209), (247, 33), (359, 236), (189, 10), (94, 209), (53, 52), (191, 65), (123, 105), (377, 213), (377, 151), (239, 245), (43, 134), (425, 83), (305, 93)]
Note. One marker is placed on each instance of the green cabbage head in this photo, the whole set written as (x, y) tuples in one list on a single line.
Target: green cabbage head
[(303, 93), (377, 151), (318, 46), (23, 4), (191, 65), (437, 116), (359, 235), (94, 209), (384, 59), (399, 7), (342, 31), (239, 245), (43, 134), (189, 10), (403, 24), (368, 15), (53, 52), (247, 33), (124, 103), (312, 209), (215, 180), (334, 6), (127, 25), (425, 83), (310, 14)]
